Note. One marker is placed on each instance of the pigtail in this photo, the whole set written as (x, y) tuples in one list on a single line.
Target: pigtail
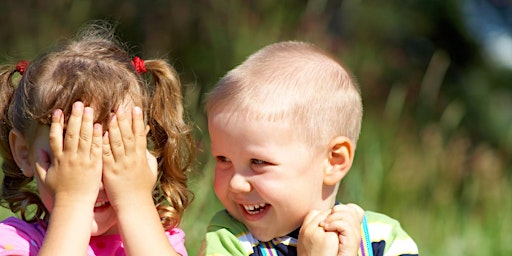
[(17, 194), (172, 140)]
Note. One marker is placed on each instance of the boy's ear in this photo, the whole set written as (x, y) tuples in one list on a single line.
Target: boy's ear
[(20, 152), (339, 162)]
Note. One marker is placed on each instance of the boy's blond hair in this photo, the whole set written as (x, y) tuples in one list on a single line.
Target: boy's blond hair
[(295, 82)]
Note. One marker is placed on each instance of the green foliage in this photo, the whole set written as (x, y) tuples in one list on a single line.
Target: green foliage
[(435, 145)]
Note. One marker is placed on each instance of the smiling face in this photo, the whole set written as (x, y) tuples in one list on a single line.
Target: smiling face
[(264, 176), (104, 218)]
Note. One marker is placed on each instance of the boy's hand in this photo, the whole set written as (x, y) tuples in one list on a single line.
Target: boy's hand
[(72, 170), (314, 239), (129, 170), (345, 219)]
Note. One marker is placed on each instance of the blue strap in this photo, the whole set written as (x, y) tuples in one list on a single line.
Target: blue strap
[(366, 243)]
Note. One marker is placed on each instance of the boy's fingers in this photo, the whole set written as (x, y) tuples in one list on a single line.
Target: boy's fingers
[(358, 210), (310, 216), (344, 216), (315, 217)]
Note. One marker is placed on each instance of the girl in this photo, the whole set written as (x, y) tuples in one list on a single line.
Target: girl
[(78, 121)]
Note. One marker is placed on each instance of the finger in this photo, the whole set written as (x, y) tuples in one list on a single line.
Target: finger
[(358, 211), (97, 141), (314, 217), (343, 226), (43, 163), (115, 138), (124, 120), (352, 209), (139, 128), (342, 216), (108, 158), (86, 132), (56, 132), (310, 217), (73, 127)]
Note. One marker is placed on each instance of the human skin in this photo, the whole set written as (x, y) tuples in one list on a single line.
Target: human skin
[(83, 175), (271, 181), (262, 166)]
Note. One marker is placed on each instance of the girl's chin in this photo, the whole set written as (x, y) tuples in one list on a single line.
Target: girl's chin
[(96, 231), (104, 224)]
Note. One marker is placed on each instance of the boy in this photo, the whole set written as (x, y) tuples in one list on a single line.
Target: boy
[(284, 126)]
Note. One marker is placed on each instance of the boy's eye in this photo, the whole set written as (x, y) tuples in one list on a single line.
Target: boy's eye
[(222, 159), (258, 161)]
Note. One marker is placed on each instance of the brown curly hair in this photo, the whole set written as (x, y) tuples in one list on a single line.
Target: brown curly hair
[(96, 69)]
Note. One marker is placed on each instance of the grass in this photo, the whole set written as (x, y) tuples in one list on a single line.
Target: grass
[(445, 197), (435, 143), (448, 190)]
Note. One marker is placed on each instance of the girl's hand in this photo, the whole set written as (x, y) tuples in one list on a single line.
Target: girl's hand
[(69, 178), (72, 171), (346, 221), (314, 239), (129, 175), (129, 170)]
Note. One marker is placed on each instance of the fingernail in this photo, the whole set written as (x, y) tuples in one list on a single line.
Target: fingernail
[(57, 113), (78, 105), (88, 110), (137, 110)]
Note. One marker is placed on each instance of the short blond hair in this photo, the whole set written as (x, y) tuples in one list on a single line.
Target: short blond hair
[(296, 82)]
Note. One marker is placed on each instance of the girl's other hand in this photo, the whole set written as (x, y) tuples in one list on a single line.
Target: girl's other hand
[(129, 170)]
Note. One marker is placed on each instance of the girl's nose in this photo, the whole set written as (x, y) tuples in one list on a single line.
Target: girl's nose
[(239, 184)]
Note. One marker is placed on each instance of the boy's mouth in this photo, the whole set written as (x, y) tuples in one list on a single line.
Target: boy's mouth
[(255, 208)]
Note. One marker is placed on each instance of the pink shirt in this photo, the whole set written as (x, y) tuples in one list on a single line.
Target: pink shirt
[(18, 237)]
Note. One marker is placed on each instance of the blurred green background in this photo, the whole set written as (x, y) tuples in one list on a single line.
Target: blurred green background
[(435, 146)]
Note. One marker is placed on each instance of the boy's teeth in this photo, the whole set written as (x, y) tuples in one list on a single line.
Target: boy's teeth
[(254, 208)]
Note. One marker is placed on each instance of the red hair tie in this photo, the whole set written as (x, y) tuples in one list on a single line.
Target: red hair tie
[(21, 66), (138, 63)]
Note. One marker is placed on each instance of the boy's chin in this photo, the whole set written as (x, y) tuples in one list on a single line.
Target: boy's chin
[(265, 235)]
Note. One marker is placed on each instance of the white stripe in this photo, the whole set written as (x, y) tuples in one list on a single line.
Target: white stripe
[(379, 231), (248, 241), (399, 247), (286, 240)]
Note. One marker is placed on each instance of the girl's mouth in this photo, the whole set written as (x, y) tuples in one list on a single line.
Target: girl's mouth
[(100, 204)]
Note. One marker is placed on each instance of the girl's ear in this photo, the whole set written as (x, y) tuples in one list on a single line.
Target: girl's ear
[(20, 152), (340, 158)]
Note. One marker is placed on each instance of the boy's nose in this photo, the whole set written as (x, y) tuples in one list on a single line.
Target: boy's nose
[(239, 184)]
